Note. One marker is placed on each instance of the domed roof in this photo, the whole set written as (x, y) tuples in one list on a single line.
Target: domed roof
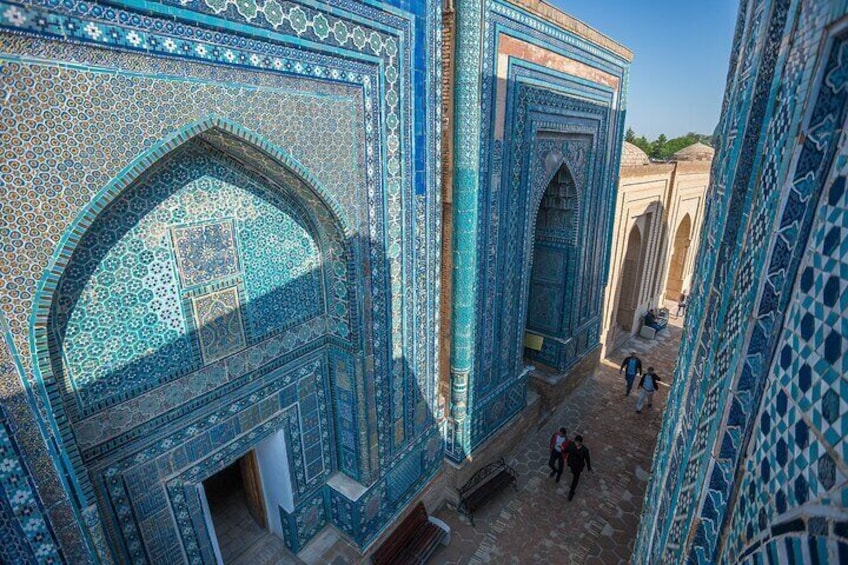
[(632, 156), (695, 152)]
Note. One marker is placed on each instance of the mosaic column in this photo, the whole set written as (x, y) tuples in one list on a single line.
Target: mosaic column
[(469, 39)]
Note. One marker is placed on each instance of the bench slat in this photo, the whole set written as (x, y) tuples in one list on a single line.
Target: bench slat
[(411, 542), (426, 540)]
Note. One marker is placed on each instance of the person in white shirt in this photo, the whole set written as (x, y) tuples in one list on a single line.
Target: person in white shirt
[(559, 443)]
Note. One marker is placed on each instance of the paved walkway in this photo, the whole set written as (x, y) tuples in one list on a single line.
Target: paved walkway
[(537, 524)]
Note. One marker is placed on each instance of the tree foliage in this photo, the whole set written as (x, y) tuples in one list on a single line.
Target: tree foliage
[(662, 148)]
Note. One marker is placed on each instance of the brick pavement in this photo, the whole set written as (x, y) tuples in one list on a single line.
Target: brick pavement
[(537, 523)]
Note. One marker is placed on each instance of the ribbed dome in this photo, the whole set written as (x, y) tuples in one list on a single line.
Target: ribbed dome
[(695, 152), (632, 156)]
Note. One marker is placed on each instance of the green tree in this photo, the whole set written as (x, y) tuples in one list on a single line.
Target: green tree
[(662, 148), (642, 143), (658, 146)]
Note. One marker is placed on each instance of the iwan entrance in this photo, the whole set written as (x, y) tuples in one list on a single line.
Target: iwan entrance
[(243, 502)]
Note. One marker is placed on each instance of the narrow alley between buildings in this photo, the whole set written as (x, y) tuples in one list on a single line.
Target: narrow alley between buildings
[(537, 523)]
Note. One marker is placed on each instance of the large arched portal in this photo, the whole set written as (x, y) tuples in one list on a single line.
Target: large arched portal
[(191, 332), (628, 294), (553, 280), (677, 266)]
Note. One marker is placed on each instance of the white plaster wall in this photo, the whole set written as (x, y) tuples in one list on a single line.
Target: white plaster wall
[(688, 197), (642, 189), (276, 479), (675, 189)]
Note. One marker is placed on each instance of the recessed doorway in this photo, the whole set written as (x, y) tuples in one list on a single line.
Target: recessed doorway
[(677, 267), (238, 513), (631, 274), (236, 508)]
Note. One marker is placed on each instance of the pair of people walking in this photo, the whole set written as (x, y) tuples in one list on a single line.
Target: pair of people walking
[(572, 453), (648, 384)]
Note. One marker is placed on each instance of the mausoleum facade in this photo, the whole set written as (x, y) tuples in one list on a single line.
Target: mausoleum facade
[(222, 229), (343, 253), (656, 232)]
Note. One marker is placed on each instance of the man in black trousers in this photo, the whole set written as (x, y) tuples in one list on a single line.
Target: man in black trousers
[(577, 456)]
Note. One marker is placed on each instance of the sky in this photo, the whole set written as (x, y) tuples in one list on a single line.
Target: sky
[(681, 52)]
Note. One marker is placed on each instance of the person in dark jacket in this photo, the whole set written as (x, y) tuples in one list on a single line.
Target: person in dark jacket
[(631, 366), (651, 320), (559, 444), (648, 385), (577, 456)]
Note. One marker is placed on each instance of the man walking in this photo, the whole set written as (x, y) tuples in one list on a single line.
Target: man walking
[(559, 444), (577, 455), (631, 366), (648, 385)]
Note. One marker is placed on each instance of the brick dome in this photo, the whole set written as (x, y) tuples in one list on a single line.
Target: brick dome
[(695, 152), (632, 156)]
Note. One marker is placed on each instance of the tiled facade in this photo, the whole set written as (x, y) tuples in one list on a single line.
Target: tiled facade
[(750, 466), (538, 103), (222, 220), (219, 221)]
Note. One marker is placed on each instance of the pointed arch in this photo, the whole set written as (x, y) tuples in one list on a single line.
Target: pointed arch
[(675, 282), (559, 207), (553, 259), (629, 287), (557, 178), (248, 153)]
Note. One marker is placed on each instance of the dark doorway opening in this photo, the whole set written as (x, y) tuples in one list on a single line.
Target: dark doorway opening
[(237, 508)]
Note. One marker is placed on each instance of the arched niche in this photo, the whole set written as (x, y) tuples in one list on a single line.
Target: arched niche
[(679, 254), (629, 288), (555, 262), (210, 245)]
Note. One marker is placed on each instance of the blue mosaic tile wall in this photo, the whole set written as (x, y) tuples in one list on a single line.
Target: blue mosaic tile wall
[(551, 119), (750, 462), (221, 225)]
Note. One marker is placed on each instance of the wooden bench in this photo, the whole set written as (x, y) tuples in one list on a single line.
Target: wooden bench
[(485, 483), (413, 541)]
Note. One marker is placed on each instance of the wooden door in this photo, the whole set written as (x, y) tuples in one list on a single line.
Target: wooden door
[(253, 488)]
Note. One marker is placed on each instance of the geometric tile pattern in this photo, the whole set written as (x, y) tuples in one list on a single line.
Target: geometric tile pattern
[(799, 444), (549, 119), (245, 280), (220, 330), (751, 453), (124, 264), (386, 498), (25, 531)]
